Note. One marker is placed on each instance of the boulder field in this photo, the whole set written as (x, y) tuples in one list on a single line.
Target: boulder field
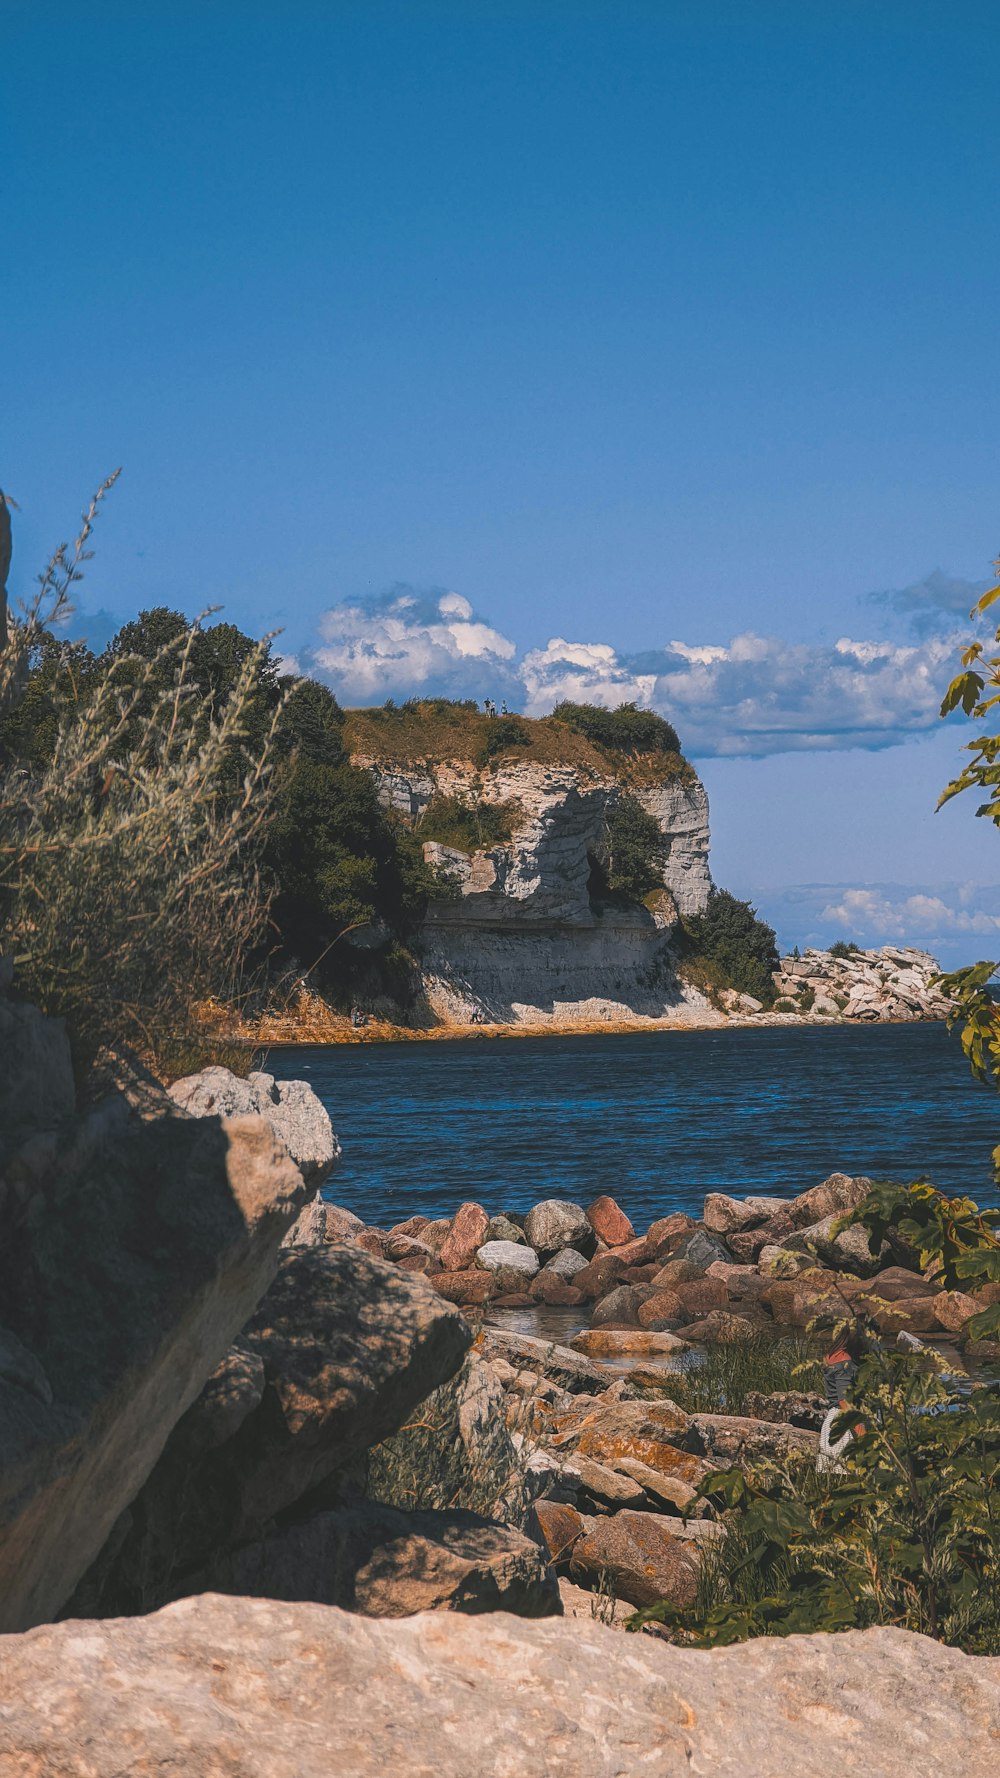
[(757, 1264)]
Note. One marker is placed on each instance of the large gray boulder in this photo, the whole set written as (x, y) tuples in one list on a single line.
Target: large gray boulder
[(133, 1249), (555, 1224), (340, 1350), (292, 1109), (253, 1688), (386, 1563)]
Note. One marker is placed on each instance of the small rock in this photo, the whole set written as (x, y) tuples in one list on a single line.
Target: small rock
[(566, 1264), (677, 1271), (663, 1306), (618, 1342), (500, 1228), (549, 1288), (608, 1487), (560, 1526), (701, 1247), (669, 1492), (719, 1327), (638, 1558), (609, 1222), (600, 1275), (620, 1308), (341, 1224), (507, 1257), (466, 1234), (953, 1308), (464, 1288)]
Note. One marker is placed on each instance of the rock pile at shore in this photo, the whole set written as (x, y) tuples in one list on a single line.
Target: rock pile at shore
[(894, 983), (746, 1265)]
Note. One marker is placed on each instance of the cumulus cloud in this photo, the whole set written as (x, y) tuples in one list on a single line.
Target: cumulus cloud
[(932, 602), (410, 643), (757, 695), (753, 695), (913, 916)]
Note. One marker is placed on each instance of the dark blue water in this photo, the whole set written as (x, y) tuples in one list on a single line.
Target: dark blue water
[(657, 1119)]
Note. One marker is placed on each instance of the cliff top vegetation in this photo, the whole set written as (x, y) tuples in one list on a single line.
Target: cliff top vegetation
[(634, 745)]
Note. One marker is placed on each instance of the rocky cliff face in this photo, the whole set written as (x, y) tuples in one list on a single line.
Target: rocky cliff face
[(522, 939)]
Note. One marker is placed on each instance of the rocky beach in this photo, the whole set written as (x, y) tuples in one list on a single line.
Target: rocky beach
[(286, 1437)]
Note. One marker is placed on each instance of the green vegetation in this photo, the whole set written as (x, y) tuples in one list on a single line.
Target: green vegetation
[(467, 826), (181, 824), (503, 734), (733, 946), (976, 988), (627, 730), (843, 948), (635, 745), (636, 853), (730, 1371), (132, 812), (905, 1532)]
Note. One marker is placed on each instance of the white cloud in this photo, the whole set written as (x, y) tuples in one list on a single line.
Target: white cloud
[(758, 694), (872, 911), (754, 695), (406, 643)]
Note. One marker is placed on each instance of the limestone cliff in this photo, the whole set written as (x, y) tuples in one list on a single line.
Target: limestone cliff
[(522, 935)]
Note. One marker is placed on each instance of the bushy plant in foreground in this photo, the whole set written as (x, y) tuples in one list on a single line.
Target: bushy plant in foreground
[(128, 845), (905, 1532)]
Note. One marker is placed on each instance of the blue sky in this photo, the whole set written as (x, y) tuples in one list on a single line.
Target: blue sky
[(616, 326)]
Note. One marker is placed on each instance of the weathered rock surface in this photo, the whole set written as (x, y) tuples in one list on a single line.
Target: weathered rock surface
[(639, 1558), (892, 983), (609, 1222), (298, 1118), (520, 939), (469, 1227), (620, 1342), (555, 1224), (134, 1248), (507, 1257), (338, 1352), (247, 1688), (385, 1563)]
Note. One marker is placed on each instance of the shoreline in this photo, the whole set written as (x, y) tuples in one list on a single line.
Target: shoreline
[(333, 1031)]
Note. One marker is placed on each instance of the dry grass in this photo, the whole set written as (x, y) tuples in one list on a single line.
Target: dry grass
[(430, 733)]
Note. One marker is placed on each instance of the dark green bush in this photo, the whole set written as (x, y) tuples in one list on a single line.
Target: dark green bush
[(503, 733), (468, 827), (637, 850), (731, 935), (844, 949), (626, 730)]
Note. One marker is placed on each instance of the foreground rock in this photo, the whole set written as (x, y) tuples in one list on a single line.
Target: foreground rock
[(298, 1118), (340, 1350), (245, 1688), (133, 1250), (386, 1563)]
